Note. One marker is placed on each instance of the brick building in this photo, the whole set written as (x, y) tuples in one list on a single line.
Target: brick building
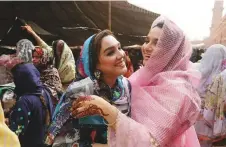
[(218, 27)]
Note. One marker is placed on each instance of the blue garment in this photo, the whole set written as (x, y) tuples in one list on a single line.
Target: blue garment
[(27, 119), (68, 131)]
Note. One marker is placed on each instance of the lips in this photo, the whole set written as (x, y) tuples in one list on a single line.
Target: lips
[(146, 57), (120, 64)]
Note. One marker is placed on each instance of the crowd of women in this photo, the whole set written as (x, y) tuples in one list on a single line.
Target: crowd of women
[(89, 103)]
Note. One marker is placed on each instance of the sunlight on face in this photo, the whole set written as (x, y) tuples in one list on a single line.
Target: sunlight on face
[(150, 43), (112, 57)]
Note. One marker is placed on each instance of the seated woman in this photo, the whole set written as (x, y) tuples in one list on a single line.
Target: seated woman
[(33, 109), (49, 74), (99, 70), (164, 101), (62, 54)]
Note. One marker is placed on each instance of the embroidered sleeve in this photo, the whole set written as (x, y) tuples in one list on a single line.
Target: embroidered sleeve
[(60, 118), (47, 48), (20, 117)]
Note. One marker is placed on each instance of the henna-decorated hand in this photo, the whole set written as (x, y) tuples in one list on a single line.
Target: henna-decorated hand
[(94, 105), (89, 105)]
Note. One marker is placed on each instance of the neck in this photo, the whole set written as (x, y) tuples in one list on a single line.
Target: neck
[(110, 81)]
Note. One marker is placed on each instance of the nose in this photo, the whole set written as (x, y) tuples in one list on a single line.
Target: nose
[(142, 48), (120, 54), (146, 48)]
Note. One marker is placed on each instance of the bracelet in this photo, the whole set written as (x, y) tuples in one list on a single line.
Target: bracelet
[(109, 125), (112, 124), (154, 142)]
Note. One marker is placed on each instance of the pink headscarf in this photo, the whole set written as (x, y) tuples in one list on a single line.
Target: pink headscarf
[(163, 93), (164, 104)]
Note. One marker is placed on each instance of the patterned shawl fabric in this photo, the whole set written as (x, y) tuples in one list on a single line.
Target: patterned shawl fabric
[(210, 65), (211, 125), (41, 58), (164, 102), (88, 130), (9, 61), (66, 67), (49, 75), (51, 79), (24, 50)]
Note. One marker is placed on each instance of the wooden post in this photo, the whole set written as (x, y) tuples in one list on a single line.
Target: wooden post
[(109, 14)]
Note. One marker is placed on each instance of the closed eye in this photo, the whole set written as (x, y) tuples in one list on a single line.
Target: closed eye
[(155, 41), (110, 53)]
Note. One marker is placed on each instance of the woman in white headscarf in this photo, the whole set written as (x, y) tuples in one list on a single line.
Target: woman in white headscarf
[(211, 125), (24, 49)]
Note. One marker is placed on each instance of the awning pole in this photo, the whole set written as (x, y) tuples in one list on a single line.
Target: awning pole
[(109, 14)]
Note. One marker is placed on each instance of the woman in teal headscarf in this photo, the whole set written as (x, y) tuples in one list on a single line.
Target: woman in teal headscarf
[(99, 71)]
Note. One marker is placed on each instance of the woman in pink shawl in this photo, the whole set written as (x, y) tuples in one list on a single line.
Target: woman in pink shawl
[(164, 103)]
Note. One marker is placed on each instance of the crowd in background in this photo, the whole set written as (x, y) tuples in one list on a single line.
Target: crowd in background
[(99, 99)]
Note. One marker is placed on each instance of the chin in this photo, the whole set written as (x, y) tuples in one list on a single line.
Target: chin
[(145, 62), (123, 71)]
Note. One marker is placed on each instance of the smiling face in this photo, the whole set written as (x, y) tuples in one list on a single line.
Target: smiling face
[(149, 47), (111, 61)]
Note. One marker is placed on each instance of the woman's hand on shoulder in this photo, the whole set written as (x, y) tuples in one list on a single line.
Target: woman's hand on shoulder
[(95, 105)]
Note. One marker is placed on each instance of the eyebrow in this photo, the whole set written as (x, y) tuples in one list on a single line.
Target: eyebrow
[(111, 47), (145, 38)]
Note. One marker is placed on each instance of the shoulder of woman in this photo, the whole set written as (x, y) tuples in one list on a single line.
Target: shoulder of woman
[(124, 80), (29, 100), (126, 83)]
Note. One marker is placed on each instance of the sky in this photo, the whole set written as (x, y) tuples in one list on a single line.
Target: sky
[(192, 16)]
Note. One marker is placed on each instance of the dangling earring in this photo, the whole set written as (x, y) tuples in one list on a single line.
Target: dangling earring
[(97, 74)]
